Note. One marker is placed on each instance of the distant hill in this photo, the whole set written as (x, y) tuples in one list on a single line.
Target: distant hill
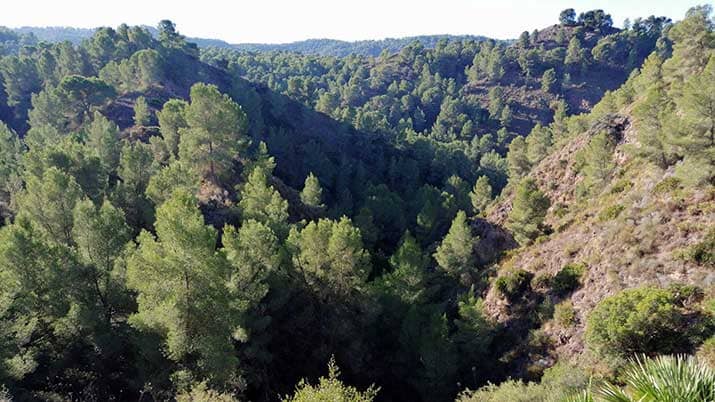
[(332, 47), (322, 47)]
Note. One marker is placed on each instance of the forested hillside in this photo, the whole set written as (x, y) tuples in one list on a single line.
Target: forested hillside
[(427, 224), (322, 47), (462, 89)]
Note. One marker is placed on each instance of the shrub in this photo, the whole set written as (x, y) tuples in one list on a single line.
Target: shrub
[(557, 382), (565, 314), (610, 212), (667, 185), (567, 279), (621, 186), (514, 284), (647, 320), (703, 253), (542, 281), (706, 352)]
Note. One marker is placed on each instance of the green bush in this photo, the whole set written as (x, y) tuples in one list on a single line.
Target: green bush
[(565, 314), (513, 284), (667, 185), (567, 279), (648, 320), (542, 281), (556, 384), (610, 212), (706, 352), (621, 186), (703, 253)]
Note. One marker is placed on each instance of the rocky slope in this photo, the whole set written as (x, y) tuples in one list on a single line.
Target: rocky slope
[(636, 232)]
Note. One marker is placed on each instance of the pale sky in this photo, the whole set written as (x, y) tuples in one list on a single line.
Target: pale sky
[(280, 21)]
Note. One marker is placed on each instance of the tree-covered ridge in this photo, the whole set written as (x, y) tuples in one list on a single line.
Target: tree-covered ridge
[(461, 89), (322, 47), (177, 232)]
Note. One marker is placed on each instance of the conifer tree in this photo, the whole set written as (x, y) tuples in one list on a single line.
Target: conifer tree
[(254, 253), (181, 282), (693, 40), (215, 133), (38, 279), (170, 178), (330, 388), (454, 254), (48, 202), (261, 202), (101, 235), (330, 257), (142, 114), (312, 193), (506, 116), (548, 81), (651, 116), (598, 162), (481, 195), (528, 211), (409, 267), (10, 159), (538, 143), (171, 120), (575, 56), (103, 140), (135, 171), (696, 137), (518, 159)]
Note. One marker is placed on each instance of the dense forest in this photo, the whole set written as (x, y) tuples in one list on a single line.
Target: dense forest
[(323, 47), (426, 219)]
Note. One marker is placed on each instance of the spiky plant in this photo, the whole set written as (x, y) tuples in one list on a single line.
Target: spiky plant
[(664, 379)]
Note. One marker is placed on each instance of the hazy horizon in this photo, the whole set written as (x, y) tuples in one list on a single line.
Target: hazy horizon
[(323, 19)]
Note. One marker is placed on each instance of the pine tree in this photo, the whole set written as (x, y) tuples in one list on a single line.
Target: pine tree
[(496, 102), (171, 120), (651, 114), (181, 282), (10, 159), (135, 171), (528, 212), (599, 162), (517, 158), (176, 175), (548, 81), (697, 139), (330, 257), (559, 128), (409, 267), (48, 202), (474, 333), (38, 280), (538, 143), (481, 195), (575, 56), (312, 193), (693, 40), (215, 134), (254, 252), (506, 116), (142, 114), (101, 235), (261, 202), (454, 254), (330, 388), (103, 140)]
